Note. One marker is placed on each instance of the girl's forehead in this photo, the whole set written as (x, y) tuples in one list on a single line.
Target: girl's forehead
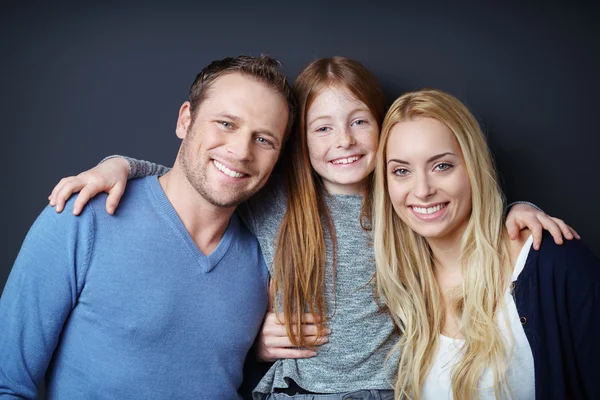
[(332, 97)]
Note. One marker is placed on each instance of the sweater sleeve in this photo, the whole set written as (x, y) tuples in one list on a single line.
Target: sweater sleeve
[(508, 207), (42, 289), (141, 168)]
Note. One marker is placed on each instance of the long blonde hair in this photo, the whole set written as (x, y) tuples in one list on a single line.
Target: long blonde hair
[(300, 255), (404, 261)]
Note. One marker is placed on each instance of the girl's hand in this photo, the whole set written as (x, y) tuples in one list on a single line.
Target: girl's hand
[(273, 342)]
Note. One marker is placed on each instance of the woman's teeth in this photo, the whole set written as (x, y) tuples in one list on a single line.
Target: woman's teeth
[(429, 210)]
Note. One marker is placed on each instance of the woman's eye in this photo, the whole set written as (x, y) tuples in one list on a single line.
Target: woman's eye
[(400, 171), (443, 166)]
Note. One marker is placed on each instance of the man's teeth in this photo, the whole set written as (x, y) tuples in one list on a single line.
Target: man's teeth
[(429, 210), (226, 170), (346, 160)]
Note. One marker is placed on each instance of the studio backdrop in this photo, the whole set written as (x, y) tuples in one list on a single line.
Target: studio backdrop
[(81, 82)]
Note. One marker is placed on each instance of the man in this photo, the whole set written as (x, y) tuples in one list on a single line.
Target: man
[(163, 299)]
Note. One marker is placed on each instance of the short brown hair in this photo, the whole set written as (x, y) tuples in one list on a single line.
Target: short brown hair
[(264, 69)]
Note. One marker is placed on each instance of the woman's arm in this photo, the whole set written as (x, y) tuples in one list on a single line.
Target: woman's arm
[(109, 176)]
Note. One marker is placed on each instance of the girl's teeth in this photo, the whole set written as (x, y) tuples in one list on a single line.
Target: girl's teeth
[(346, 160), (226, 170), (429, 210)]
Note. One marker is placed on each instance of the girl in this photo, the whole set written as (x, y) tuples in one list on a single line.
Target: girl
[(480, 316)]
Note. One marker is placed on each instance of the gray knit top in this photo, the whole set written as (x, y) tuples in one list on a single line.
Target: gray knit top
[(361, 335)]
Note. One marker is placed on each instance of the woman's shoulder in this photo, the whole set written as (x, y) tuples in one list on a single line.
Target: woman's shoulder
[(516, 246), (572, 261)]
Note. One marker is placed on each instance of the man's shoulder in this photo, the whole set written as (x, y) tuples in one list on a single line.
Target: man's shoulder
[(66, 217), (242, 232), (94, 211), (137, 189), (135, 196)]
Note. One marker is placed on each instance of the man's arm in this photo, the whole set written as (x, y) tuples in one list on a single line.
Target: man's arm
[(522, 215), (41, 291)]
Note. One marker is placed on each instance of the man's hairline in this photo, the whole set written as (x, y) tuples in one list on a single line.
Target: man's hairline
[(208, 88), (210, 85)]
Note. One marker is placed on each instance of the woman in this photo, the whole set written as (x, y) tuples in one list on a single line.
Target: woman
[(448, 272), (318, 252)]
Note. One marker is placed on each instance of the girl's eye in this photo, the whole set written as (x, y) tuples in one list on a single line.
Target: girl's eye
[(443, 166), (360, 122), (323, 129)]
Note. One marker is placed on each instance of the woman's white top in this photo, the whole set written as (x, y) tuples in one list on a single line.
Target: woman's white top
[(520, 376)]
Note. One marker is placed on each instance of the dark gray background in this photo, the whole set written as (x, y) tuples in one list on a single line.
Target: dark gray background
[(80, 82)]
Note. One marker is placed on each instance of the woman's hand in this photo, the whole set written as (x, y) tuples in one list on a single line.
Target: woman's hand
[(523, 216), (109, 176), (273, 342)]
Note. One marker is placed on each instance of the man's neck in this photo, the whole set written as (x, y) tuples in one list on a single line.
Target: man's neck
[(205, 222)]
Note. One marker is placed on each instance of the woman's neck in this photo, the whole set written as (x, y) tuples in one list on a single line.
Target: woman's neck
[(447, 249), (447, 269)]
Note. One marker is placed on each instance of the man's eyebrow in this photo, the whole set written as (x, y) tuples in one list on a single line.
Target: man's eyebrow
[(227, 116), (431, 159)]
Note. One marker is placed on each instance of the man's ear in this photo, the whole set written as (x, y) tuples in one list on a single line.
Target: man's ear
[(183, 120)]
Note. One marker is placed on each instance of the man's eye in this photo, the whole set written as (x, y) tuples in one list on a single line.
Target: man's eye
[(263, 141), (226, 124)]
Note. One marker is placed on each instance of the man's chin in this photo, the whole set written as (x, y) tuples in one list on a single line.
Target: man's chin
[(228, 201)]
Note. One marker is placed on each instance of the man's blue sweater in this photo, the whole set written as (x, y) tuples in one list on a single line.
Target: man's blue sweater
[(126, 306)]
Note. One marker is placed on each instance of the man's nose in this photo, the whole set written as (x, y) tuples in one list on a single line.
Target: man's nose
[(240, 147)]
